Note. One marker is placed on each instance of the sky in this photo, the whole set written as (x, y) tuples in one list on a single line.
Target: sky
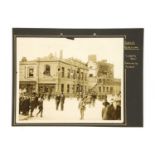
[(104, 48)]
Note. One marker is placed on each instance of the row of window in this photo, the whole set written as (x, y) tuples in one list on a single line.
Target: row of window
[(75, 74), (70, 73), (46, 71), (64, 88), (104, 81), (105, 89), (75, 88)]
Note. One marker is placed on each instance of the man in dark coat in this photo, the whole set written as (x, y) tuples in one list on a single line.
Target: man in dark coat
[(21, 100), (62, 100), (118, 112), (40, 105), (105, 109), (36, 101), (57, 99), (26, 105), (32, 104), (93, 98), (111, 112)]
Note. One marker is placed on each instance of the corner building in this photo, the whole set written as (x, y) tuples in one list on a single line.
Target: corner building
[(51, 75)]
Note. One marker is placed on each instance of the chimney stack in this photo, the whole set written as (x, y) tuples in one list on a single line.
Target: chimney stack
[(61, 54)]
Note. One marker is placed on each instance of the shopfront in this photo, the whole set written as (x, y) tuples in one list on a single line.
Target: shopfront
[(28, 86)]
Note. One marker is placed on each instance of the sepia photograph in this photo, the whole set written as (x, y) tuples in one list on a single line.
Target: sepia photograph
[(69, 80), (76, 76)]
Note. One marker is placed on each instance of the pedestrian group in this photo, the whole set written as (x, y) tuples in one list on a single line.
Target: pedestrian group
[(110, 110)]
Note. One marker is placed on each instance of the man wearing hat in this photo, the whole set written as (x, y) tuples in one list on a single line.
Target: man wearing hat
[(105, 109)]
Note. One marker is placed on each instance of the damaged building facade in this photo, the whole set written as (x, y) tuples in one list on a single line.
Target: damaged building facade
[(101, 78), (51, 75)]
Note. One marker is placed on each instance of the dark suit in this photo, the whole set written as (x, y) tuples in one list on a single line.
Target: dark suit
[(62, 100), (32, 105), (57, 99)]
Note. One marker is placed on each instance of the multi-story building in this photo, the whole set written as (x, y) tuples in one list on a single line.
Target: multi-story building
[(106, 83), (53, 75)]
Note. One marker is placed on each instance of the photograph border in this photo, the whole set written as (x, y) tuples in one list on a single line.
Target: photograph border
[(61, 34)]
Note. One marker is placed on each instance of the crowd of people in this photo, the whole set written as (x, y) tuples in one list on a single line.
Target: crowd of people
[(110, 110), (29, 102)]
